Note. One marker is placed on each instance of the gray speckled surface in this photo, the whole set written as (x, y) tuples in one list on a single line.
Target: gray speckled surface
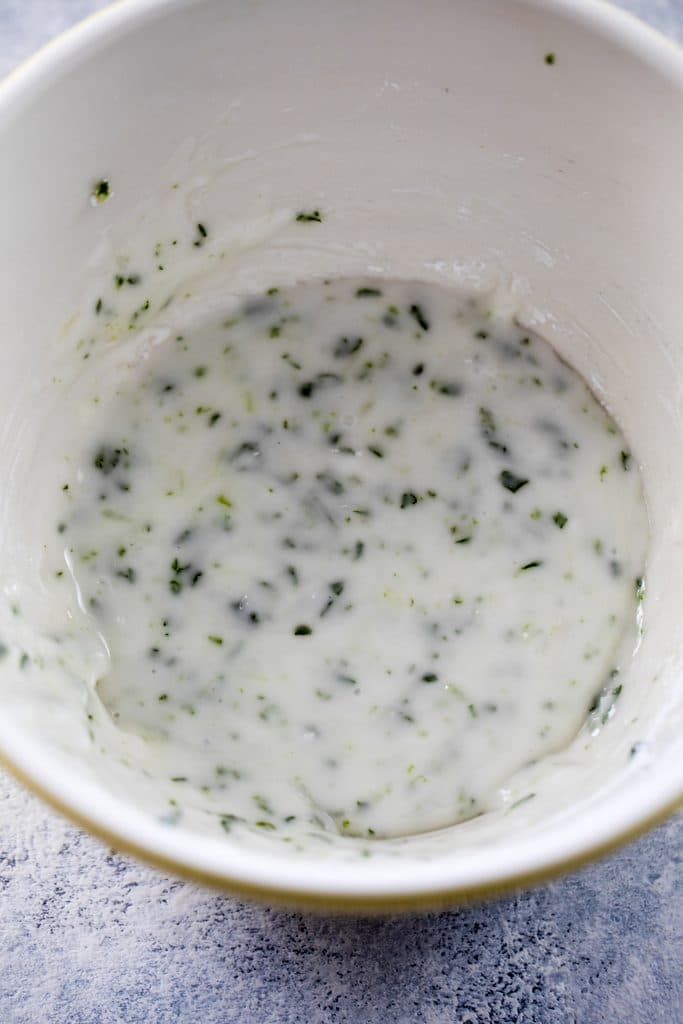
[(89, 936)]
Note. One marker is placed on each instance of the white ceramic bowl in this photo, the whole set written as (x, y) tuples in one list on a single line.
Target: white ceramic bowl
[(443, 144)]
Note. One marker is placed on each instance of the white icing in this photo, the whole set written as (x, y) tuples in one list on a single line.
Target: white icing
[(410, 476)]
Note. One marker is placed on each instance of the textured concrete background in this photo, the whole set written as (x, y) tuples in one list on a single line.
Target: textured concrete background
[(91, 937)]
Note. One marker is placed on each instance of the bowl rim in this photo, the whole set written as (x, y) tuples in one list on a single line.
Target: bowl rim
[(350, 899), (257, 878)]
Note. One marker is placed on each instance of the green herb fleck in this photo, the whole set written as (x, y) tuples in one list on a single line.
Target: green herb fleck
[(107, 459), (228, 820), (511, 482), (408, 498), (128, 574), (418, 314), (450, 388), (488, 430), (302, 630), (309, 217), (101, 191), (346, 679), (262, 804), (522, 800), (560, 520), (390, 318), (202, 235), (346, 347), (486, 422)]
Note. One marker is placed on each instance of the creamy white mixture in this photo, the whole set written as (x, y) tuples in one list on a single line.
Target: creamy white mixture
[(349, 557)]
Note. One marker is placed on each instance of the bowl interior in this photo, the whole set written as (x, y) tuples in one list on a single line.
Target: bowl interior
[(443, 146)]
